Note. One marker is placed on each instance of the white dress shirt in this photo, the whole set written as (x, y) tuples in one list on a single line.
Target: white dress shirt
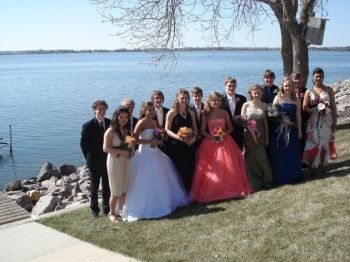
[(232, 104)]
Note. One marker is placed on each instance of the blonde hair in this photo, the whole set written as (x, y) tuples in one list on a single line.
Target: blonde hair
[(281, 91), (207, 107), (252, 88)]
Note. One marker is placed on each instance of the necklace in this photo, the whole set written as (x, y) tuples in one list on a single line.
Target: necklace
[(184, 114)]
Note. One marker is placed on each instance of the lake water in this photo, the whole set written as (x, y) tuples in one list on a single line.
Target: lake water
[(47, 98)]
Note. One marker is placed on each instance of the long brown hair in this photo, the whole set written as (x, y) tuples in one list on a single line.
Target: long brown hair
[(179, 92)]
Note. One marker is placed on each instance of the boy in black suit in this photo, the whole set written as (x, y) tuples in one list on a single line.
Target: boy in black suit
[(91, 144), (197, 107), (269, 88), (158, 99), (232, 104)]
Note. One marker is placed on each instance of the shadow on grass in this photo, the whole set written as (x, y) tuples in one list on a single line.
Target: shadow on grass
[(333, 170), (195, 209)]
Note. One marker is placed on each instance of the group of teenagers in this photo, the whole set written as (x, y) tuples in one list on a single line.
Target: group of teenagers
[(224, 148)]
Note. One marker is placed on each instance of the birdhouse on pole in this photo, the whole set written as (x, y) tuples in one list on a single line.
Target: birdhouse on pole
[(315, 31)]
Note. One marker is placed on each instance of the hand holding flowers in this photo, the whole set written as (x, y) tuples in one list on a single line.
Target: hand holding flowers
[(218, 134), (186, 135), (160, 136)]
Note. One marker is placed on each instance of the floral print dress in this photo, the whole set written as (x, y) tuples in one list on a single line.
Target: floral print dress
[(319, 135)]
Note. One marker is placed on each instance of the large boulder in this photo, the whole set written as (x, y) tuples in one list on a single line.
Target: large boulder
[(66, 170), (342, 98), (45, 205), (22, 200), (47, 171), (30, 184), (13, 186), (49, 183)]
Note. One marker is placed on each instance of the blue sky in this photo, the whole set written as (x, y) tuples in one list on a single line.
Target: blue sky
[(76, 24)]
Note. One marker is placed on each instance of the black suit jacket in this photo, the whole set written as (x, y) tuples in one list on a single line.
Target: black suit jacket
[(91, 144), (238, 131), (165, 111), (134, 122)]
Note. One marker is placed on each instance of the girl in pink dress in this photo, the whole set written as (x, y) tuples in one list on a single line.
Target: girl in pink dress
[(220, 171)]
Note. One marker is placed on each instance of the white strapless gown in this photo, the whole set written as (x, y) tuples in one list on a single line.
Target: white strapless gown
[(154, 189)]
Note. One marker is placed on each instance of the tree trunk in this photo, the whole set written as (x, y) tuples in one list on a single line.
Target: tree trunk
[(286, 50), (300, 58)]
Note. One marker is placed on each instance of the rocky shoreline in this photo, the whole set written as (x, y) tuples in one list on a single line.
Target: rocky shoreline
[(67, 186), (52, 190)]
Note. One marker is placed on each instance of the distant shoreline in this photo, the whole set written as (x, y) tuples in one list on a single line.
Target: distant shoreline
[(187, 49)]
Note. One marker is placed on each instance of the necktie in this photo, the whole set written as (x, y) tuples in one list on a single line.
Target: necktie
[(198, 112), (102, 128)]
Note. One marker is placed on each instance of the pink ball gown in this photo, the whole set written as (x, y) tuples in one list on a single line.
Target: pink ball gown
[(220, 171)]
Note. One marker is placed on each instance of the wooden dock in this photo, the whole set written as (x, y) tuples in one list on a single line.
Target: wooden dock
[(10, 211)]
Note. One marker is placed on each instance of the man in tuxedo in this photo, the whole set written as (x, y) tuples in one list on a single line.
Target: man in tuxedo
[(130, 104), (232, 104), (197, 107), (161, 111), (91, 144), (269, 88)]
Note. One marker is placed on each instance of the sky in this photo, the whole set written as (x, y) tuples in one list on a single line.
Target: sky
[(76, 24)]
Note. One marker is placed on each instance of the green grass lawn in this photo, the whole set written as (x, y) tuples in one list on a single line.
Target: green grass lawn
[(309, 221)]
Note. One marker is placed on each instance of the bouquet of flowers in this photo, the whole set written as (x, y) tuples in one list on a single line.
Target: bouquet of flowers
[(130, 142), (161, 134), (321, 107), (273, 111), (185, 133), (218, 134)]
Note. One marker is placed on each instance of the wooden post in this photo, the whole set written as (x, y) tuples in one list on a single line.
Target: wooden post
[(10, 140)]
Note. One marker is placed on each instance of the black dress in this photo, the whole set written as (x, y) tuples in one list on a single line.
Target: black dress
[(180, 152)]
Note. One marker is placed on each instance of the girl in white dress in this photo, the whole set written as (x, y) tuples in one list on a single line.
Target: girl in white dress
[(155, 189)]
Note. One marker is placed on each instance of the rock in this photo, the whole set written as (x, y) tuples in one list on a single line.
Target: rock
[(23, 200), (54, 191), (34, 195), (12, 193), (49, 183), (47, 171), (76, 189), (45, 205), (13, 186), (66, 170), (342, 98), (73, 178), (83, 172), (70, 198), (29, 207), (80, 197), (85, 187), (30, 187)]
